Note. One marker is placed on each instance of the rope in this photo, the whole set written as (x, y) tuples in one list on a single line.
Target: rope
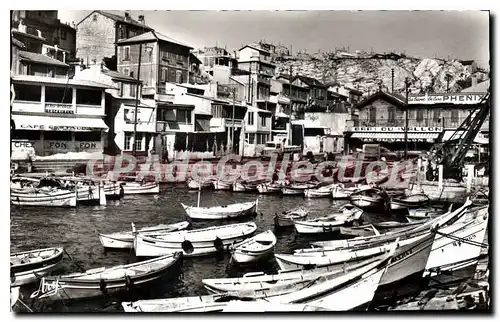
[(459, 239), (25, 305)]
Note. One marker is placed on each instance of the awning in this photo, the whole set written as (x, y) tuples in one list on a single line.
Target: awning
[(416, 137), (479, 139), (50, 123)]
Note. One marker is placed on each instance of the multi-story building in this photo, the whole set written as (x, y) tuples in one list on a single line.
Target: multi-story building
[(353, 96), (317, 98), (281, 114), (99, 32), (295, 92), (59, 38), (215, 58)]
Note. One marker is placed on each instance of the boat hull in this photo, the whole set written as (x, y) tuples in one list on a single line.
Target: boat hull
[(136, 188), (30, 273), (207, 214), (365, 202), (63, 198)]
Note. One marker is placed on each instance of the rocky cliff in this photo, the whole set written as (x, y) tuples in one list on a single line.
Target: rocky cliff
[(368, 72)]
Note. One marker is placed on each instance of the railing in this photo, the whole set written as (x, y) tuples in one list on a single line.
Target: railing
[(443, 122)]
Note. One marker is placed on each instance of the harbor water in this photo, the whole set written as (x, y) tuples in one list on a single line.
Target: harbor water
[(76, 231)]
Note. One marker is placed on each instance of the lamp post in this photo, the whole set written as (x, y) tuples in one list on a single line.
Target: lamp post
[(407, 83)]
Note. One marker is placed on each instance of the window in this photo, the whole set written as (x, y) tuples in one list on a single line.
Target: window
[(183, 116), (126, 71), (94, 17), (172, 75), (178, 76), (454, 116), (58, 94), (219, 111), (133, 89), (251, 138), (372, 114), (129, 115), (263, 121), (420, 116), (26, 135), (437, 115), (138, 141), (392, 114), (120, 89), (164, 74), (126, 53), (250, 118), (88, 97), (63, 34), (128, 138), (30, 93)]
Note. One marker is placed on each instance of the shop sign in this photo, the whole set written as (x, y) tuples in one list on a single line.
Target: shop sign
[(418, 129), (398, 140), (69, 146), (59, 108), (58, 128), (448, 98)]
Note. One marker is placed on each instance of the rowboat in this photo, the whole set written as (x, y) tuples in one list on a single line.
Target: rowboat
[(377, 177), (198, 184), (135, 188), (267, 188), (412, 201), (113, 191), (222, 184), (321, 192), (341, 192), (297, 188), (258, 281), (422, 213), (196, 242), (457, 248), (396, 224), (359, 231), (125, 239), (43, 197), (368, 198), (26, 267), (287, 218), (264, 306), (88, 191), (222, 212), (329, 223), (255, 248), (342, 291), (241, 186), (106, 281)]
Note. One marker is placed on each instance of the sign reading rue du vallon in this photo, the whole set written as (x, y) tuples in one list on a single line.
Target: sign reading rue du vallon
[(448, 98), (418, 129)]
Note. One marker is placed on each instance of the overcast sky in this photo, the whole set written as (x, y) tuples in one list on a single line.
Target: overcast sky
[(459, 34)]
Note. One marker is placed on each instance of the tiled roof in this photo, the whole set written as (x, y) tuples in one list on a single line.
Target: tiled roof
[(117, 75), (310, 81), (390, 97), (40, 59), (119, 18), (59, 81), (256, 47), (151, 36)]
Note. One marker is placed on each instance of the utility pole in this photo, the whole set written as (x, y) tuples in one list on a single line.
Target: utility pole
[(290, 114), (134, 150), (232, 129), (392, 78), (407, 88)]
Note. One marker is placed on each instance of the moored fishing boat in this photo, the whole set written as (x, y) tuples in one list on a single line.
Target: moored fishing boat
[(125, 239), (369, 198), (26, 267), (296, 188), (287, 218), (329, 223), (199, 184), (412, 201), (14, 296), (113, 191), (143, 187), (223, 184), (254, 248), (269, 187), (196, 242), (106, 281), (43, 197), (242, 186), (396, 224), (422, 213), (342, 192), (236, 210), (321, 192), (359, 231), (264, 306)]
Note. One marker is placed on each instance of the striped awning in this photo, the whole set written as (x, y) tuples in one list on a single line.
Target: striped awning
[(395, 137)]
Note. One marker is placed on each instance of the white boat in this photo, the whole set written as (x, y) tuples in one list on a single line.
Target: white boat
[(268, 187), (107, 281), (396, 224), (359, 231), (330, 223), (254, 248), (236, 210), (197, 184), (341, 192), (287, 218), (222, 184), (412, 201), (135, 188), (297, 188), (14, 296), (239, 186), (27, 267), (90, 195), (422, 213), (43, 197), (457, 248), (125, 239), (196, 242), (321, 192), (192, 304), (263, 306), (368, 198)]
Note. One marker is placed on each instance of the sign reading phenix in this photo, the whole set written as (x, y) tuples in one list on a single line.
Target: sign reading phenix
[(447, 98)]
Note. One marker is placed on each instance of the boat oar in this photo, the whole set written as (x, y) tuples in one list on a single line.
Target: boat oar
[(71, 258)]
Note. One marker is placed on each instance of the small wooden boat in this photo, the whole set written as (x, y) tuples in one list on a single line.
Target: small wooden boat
[(297, 188), (88, 191), (255, 248), (287, 218), (359, 231), (396, 224), (106, 281), (422, 213), (241, 186), (269, 188), (135, 188), (196, 242), (369, 198), (236, 210), (197, 184), (125, 239), (342, 192), (329, 223), (223, 184), (321, 192), (27, 267), (43, 197), (264, 306), (412, 201)]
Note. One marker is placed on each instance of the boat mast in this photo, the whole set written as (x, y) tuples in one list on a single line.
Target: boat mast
[(199, 194)]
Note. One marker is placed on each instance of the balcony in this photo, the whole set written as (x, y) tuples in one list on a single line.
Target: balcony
[(263, 80)]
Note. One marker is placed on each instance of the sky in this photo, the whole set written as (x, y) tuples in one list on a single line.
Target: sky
[(425, 34)]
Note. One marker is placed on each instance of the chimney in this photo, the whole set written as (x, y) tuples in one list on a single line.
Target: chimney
[(141, 19), (127, 16), (474, 80)]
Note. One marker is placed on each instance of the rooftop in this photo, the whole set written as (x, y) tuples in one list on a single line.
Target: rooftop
[(310, 81), (256, 47), (116, 75), (151, 36), (58, 81), (119, 18), (40, 59), (389, 97)]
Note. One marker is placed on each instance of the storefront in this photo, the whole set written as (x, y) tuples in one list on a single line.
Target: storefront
[(392, 138), (49, 135)]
